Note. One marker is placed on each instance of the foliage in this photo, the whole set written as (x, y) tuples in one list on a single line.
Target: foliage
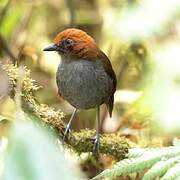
[(141, 39), (33, 153), (161, 163)]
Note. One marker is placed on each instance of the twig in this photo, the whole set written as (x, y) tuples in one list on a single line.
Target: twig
[(5, 47), (111, 144), (3, 43), (71, 6), (4, 11), (122, 68), (23, 25)]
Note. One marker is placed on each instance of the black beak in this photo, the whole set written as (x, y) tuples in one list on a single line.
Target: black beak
[(52, 47)]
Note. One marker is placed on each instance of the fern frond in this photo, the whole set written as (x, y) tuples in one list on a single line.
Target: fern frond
[(137, 152), (160, 168), (173, 172), (158, 159)]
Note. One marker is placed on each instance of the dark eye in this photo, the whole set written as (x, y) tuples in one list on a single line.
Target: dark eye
[(67, 42)]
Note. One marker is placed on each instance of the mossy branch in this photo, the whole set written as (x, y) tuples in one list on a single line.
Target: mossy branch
[(111, 144)]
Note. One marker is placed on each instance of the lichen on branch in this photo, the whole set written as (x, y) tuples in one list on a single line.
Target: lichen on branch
[(111, 144)]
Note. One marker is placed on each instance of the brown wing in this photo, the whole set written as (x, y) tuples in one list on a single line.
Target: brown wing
[(109, 70)]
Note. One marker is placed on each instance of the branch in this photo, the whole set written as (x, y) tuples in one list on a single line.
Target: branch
[(5, 47), (3, 43), (83, 141), (71, 6), (4, 11)]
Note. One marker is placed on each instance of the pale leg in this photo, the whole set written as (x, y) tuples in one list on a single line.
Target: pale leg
[(97, 138), (69, 124)]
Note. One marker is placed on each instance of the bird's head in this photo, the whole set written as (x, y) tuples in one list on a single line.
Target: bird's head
[(74, 43)]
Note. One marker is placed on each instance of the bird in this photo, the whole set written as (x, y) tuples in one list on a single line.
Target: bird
[(85, 77)]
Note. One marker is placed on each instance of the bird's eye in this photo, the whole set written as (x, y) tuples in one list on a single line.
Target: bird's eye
[(67, 42)]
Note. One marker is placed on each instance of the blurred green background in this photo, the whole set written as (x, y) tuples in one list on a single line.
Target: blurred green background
[(28, 27), (142, 40)]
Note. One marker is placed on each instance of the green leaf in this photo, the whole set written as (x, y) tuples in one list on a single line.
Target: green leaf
[(4, 119), (33, 154), (10, 21), (141, 159), (160, 168), (172, 173), (3, 3)]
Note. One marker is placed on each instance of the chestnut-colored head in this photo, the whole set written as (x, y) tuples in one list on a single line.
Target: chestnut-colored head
[(76, 43)]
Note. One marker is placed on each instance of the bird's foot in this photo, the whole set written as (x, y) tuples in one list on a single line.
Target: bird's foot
[(96, 146)]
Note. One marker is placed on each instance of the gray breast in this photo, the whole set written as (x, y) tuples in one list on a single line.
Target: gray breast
[(84, 84)]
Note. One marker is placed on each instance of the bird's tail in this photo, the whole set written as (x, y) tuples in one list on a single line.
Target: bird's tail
[(110, 104)]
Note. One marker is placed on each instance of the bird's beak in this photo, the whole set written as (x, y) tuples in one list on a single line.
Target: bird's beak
[(52, 47)]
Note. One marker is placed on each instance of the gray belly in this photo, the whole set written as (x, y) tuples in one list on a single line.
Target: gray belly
[(84, 84)]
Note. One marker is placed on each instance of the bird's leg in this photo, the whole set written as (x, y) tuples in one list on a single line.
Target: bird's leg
[(69, 124), (97, 138)]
